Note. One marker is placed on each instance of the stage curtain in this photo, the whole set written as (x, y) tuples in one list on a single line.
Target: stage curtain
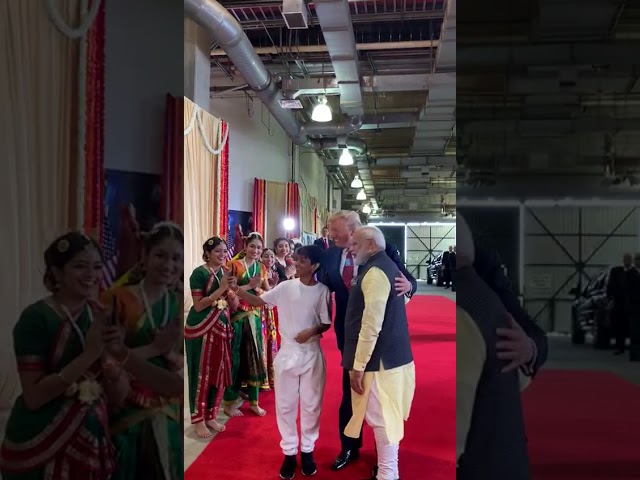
[(293, 208), (224, 176), (276, 199), (94, 139), (308, 208), (204, 140), (44, 118), (173, 160), (259, 207)]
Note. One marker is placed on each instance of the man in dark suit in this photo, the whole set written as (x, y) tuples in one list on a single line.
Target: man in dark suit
[(446, 267), (452, 266), (337, 272), (524, 344), (623, 288), (324, 241)]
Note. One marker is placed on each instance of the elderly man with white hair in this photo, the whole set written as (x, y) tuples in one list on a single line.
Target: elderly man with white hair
[(490, 432), (377, 352)]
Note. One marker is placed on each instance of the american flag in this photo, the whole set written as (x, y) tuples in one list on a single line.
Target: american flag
[(110, 255)]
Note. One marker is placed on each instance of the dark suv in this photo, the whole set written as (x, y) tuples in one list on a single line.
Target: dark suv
[(591, 313)]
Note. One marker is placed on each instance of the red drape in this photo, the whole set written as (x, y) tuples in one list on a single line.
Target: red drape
[(223, 228), (259, 205), (94, 122), (293, 208), (173, 160)]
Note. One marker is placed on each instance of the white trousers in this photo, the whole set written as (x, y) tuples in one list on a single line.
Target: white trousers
[(387, 453), (299, 379)]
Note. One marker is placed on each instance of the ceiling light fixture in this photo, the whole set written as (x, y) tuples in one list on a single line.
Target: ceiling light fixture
[(357, 183), (321, 112), (361, 195), (346, 158)]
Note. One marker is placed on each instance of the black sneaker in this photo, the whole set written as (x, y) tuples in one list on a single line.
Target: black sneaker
[(308, 465), (288, 469)]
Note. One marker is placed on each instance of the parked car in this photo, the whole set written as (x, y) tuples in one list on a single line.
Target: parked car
[(435, 271), (591, 313)]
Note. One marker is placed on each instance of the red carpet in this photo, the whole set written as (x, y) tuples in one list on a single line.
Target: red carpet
[(249, 449), (583, 425)]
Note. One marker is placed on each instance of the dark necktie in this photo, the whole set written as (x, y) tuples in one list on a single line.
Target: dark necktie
[(326, 244), (347, 271)]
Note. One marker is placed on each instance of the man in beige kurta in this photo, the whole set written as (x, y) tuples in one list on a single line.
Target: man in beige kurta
[(381, 396)]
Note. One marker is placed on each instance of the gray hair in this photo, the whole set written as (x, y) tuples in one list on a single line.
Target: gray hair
[(466, 255), (351, 218), (373, 233)]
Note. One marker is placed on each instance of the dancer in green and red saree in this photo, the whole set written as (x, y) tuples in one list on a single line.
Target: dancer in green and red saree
[(247, 364), (147, 430), (58, 428), (208, 335), (270, 337)]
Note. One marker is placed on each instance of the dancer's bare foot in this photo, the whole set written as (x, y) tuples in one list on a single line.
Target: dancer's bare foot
[(257, 410), (218, 427), (232, 411), (202, 431)]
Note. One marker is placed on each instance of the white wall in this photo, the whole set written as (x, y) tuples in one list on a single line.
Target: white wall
[(311, 175), (144, 62), (254, 149)]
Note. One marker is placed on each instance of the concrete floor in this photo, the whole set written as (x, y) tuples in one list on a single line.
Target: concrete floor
[(564, 355), (425, 289)]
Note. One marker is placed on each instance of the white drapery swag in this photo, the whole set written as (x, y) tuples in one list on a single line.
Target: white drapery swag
[(39, 83), (203, 143)]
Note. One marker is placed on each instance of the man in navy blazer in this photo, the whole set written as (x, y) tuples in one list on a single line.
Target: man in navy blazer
[(324, 241), (336, 273)]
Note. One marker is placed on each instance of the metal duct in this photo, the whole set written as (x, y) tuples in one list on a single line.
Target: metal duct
[(336, 143), (227, 32), (334, 17), (333, 128)]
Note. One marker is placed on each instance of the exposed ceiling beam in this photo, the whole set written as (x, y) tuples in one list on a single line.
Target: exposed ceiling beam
[(378, 83), (552, 54), (323, 48), (559, 127)]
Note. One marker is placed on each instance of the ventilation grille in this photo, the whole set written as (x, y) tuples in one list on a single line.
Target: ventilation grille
[(294, 13)]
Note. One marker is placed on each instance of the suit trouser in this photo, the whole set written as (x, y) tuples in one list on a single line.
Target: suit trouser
[(345, 413), (634, 336), (446, 277), (621, 328), (299, 379)]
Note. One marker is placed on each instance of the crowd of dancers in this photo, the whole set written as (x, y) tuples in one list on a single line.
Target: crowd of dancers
[(102, 377), (256, 322)]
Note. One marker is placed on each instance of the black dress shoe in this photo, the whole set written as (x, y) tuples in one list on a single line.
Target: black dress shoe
[(308, 465), (288, 469), (344, 458)]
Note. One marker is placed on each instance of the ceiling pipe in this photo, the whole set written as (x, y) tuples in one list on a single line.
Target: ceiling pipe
[(228, 33), (334, 17)]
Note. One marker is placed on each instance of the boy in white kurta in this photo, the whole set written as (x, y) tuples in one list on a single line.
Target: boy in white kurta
[(299, 367)]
